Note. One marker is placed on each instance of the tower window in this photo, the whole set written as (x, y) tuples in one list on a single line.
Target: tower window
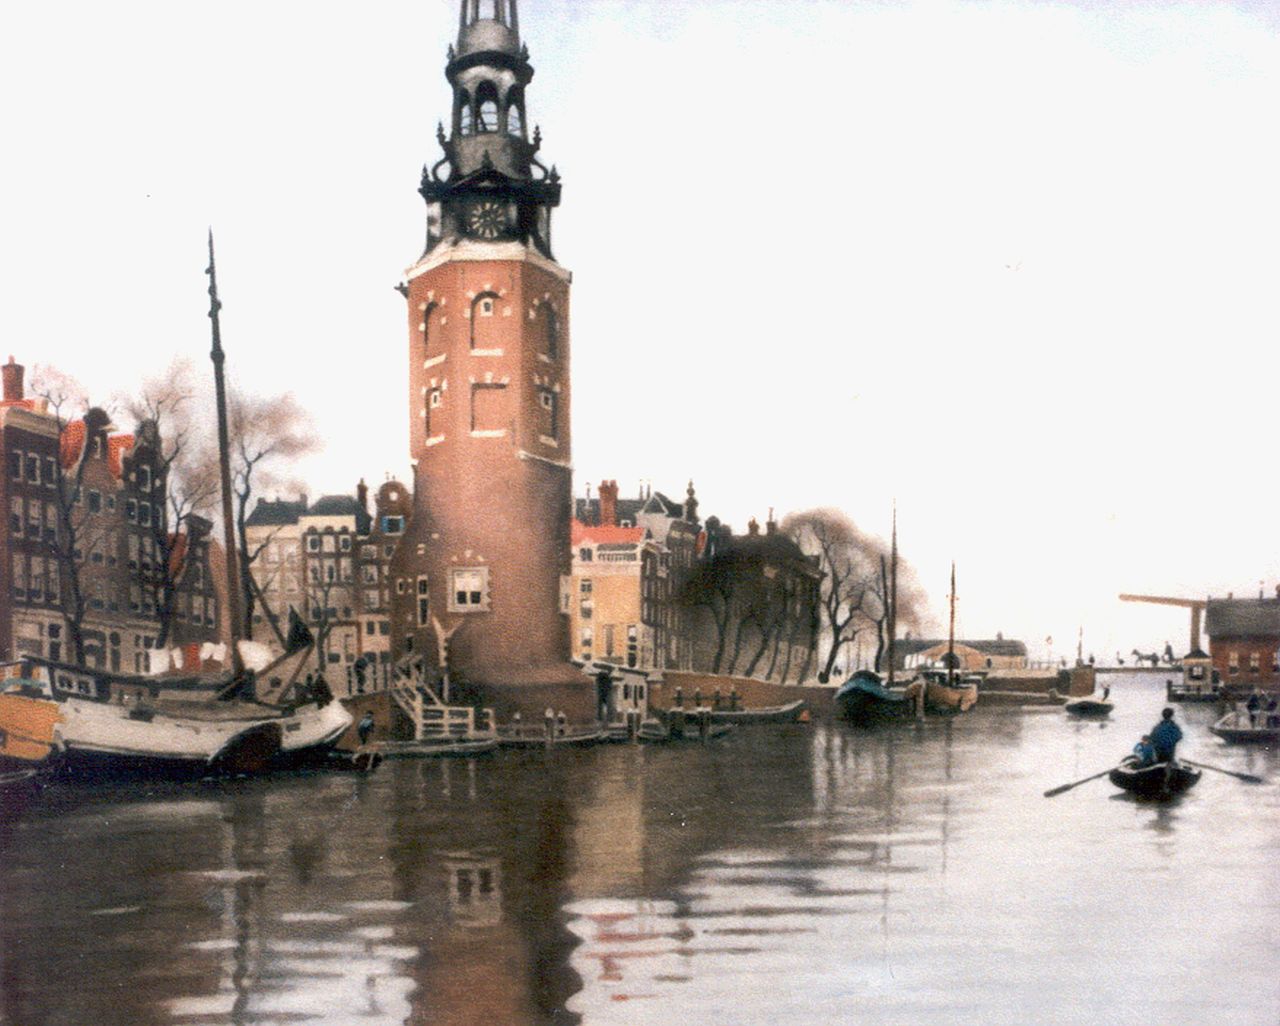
[(547, 399), (487, 107), (488, 407), (482, 306), (515, 123), (550, 331), (464, 113), (430, 332), (433, 403)]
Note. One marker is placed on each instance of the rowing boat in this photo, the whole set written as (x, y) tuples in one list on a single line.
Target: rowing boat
[(1158, 780)]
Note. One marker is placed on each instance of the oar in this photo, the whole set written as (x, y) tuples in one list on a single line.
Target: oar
[(1248, 778), (1076, 783)]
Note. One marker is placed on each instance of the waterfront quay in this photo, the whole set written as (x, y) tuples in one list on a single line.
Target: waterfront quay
[(788, 874)]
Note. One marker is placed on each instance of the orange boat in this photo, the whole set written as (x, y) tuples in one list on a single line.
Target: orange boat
[(27, 725)]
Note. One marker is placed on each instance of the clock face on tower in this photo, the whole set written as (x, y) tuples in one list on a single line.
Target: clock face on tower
[(487, 219)]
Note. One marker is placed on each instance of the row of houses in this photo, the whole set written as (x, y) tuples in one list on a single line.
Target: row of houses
[(95, 574)]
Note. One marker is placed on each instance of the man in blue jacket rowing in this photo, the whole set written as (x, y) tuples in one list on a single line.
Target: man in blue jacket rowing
[(1165, 736)]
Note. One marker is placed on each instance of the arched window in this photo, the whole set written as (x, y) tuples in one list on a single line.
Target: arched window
[(464, 113), (491, 9), (515, 122), (487, 108), (431, 331), (550, 331), (482, 307)]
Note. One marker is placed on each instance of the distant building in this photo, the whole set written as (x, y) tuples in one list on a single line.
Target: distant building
[(329, 562), (997, 654), (393, 508), (616, 596), (675, 528), (750, 605), (1244, 639)]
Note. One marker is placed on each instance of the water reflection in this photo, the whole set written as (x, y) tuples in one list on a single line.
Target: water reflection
[(793, 875)]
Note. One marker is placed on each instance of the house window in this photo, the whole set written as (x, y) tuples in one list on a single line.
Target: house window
[(19, 575), (144, 478), (328, 544), (584, 595), (50, 471), (144, 514), (400, 586), (608, 641), (369, 574), (53, 589), (586, 643), (468, 592), (370, 599), (1255, 662), (487, 407), (424, 603), (344, 543), (95, 501), (15, 466), (313, 543), (33, 468), (584, 555), (1233, 663), (633, 644), (15, 515), (131, 510)]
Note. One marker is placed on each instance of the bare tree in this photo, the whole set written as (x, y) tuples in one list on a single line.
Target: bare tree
[(165, 433), (267, 434), (855, 582)]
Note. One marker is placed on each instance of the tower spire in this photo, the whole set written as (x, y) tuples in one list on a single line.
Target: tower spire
[(496, 187)]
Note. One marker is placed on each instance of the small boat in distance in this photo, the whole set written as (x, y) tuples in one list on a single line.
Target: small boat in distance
[(943, 691), (1235, 728), (1091, 706), (792, 712), (1160, 780), (518, 735)]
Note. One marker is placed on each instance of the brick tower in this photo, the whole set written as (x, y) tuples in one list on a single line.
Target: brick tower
[(489, 382)]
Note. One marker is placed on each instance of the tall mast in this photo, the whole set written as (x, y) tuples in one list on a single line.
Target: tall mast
[(224, 462), (951, 631), (893, 592)]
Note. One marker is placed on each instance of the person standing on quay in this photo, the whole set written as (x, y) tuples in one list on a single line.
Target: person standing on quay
[(1165, 736), (365, 727)]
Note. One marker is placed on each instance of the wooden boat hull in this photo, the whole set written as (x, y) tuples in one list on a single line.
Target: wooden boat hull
[(1234, 729), (863, 700), (1092, 707), (1160, 780), (944, 698), (536, 738), (792, 712), (102, 740), (436, 749), (1181, 693), (28, 726), (653, 732)]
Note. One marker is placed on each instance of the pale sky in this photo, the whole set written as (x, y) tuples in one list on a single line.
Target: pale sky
[(1012, 263)]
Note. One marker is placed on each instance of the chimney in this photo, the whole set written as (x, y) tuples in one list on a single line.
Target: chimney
[(362, 495), (771, 525), (753, 527), (12, 381), (608, 503)]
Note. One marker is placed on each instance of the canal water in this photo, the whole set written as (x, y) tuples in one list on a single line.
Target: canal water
[(820, 874)]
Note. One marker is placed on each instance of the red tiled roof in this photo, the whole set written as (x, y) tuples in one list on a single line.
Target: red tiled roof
[(584, 533), (117, 446), (72, 442)]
